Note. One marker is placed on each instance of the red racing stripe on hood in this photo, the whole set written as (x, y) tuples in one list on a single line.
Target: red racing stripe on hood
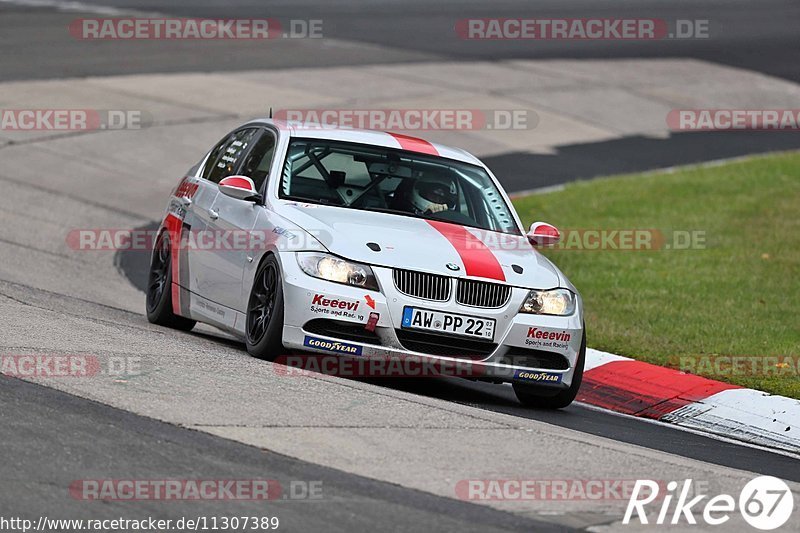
[(413, 144), (478, 259)]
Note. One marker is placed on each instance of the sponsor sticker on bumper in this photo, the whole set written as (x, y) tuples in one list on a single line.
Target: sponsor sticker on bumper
[(545, 338), (538, 377), (331, 346)]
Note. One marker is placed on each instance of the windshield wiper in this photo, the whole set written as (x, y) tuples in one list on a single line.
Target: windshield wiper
[(391, 211), (323, 201)]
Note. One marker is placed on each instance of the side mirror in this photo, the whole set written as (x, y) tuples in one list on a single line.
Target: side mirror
[(543, 234), (239, 187)]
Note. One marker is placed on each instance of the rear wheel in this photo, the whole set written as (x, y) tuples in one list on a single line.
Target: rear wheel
[(531, 396), (265, 312), (159, 288)]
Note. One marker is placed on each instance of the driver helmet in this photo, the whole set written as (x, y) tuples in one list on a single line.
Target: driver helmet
[(434, 194)]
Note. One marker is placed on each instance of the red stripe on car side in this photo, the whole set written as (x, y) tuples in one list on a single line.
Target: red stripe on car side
[(174, 227), (478, 259), (414, 144), (645, 390)]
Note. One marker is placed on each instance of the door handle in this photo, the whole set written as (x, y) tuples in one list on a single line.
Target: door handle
[(213, 213)]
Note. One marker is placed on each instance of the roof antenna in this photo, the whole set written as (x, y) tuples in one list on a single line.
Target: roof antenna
[(270, 112)]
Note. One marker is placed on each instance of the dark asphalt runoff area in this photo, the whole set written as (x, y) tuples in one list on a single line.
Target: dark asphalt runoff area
[(51, 440)]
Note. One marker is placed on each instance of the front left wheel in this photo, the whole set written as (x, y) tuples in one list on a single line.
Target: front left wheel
[(264, 326), (159, 288), (536, 397)]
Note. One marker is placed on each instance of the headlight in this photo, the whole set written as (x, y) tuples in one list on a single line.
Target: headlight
[(332, 268), (553, 302)]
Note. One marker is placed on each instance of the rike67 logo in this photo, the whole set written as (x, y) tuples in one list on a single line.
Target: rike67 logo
[(765, 503)]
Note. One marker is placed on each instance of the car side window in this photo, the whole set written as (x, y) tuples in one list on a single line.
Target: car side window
[(225, 158), (214, 155), (257, 165)]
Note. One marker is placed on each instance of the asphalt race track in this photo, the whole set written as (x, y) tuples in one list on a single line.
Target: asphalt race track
[(413, 30), (40, 423), (388, 452)]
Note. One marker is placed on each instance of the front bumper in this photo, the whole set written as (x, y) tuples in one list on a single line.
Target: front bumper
[(537, 349)]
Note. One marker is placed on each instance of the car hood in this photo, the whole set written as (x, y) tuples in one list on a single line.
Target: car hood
[(423, 245)]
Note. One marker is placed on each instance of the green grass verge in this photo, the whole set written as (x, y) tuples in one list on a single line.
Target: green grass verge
[(739, 295)]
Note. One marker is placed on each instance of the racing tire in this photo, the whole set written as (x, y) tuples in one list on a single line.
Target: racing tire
[(159, 288), (264, 324), (537, 397)]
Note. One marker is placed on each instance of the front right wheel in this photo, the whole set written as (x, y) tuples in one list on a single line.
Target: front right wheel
[(532, 396), (264, 326)]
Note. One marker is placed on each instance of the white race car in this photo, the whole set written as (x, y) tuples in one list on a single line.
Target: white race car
[(366, 244)]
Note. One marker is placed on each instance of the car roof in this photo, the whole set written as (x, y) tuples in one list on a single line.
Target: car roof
[(373, 137)]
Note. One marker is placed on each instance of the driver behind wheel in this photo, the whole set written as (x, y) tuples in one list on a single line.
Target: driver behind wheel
[(431, 195)]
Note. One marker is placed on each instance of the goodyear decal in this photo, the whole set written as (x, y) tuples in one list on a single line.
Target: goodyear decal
[(331, 346), (538, 377)]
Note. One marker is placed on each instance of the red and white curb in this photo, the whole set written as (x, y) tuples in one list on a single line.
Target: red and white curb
[(640, 389)]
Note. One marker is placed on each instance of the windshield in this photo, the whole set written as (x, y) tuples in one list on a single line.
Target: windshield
[(372, 178)]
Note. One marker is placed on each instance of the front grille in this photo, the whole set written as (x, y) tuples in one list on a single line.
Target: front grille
[(444, 345), (482, 294), (527, 358), (341, 330), (421, 285)]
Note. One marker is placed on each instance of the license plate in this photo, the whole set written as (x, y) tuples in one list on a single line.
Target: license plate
[(482, 328)]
